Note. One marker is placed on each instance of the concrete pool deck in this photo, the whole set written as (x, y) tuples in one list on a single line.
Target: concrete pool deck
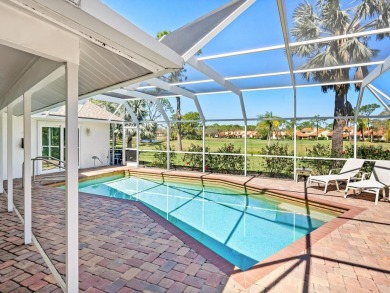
[(126, 248)]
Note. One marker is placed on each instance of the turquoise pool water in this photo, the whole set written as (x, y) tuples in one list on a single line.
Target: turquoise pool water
[(242, 228)]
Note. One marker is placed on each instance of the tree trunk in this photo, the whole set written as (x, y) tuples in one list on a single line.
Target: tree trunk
[(178, 116), (338, 124), (371, 132), (362, 132), (129, 140), (269, 137)]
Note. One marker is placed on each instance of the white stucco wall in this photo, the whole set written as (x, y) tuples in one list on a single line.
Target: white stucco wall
[(92, 143), (96, 143), (16, 145)]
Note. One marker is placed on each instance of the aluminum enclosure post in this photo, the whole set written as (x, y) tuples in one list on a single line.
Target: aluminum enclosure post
[(168, 146), (2, 139), (27, 167), (123, 145), (245, 151), (138, 137), (10, 170), (204, 147), (71, 181)]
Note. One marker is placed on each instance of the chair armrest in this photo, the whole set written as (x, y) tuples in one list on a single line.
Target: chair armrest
[(331, 170), (365, 175), (360, 176)]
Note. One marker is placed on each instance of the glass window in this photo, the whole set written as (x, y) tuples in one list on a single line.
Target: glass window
[(51, 147)]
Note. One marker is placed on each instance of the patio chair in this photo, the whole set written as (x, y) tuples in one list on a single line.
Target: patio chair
[(379, 180), (350, 169)]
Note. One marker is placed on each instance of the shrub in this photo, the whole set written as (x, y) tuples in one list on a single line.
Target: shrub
[(368, 152), (227, 162), (276, 166), (321, 166), (195, 161), (160, 158)]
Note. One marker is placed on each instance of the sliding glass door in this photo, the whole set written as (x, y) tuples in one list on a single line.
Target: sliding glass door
[(51, 148)]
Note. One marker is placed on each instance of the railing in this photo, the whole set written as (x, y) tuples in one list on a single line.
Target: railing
[(49, 160)]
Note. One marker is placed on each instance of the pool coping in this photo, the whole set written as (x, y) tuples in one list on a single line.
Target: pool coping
[(247, 278)]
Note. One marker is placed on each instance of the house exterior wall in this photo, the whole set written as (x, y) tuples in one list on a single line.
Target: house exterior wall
[(94, 142), (16, 145)]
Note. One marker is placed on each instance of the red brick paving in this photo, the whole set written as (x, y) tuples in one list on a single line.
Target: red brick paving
[(22, 269), (122, 249)]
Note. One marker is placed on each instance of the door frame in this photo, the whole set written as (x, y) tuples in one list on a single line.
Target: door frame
[(54, 124)]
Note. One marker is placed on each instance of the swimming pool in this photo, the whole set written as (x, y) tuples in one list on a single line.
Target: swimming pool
[(242, 227)]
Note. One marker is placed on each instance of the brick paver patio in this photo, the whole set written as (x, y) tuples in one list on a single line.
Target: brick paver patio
[(126, 248), (22, 268)]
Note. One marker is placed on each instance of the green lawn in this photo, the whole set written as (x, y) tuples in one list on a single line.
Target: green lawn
[(254, 145)]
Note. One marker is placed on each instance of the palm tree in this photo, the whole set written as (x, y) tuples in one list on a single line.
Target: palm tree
[(367, 110), (139, 109), (149, 130), (326, 18), (317, 121), (175, 77), (288, 128), (361, 126), (269, 125)]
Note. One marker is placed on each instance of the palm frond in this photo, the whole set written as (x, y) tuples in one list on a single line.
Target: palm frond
[(358, 50), (306, 23), (327, 17), (360, 73), (384, 20), (305, 50), (370, 8), (333, 18)]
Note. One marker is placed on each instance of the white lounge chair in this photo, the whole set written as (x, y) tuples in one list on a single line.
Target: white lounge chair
[(350, 169), (379, 180)]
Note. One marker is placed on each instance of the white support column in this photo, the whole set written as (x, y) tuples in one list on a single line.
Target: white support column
[(138, 138), (295, 135), (168, 146), (245, 151), (123, 144), (354, 140), (204, 146), (295, 149), (72, 193), (112, 144), (2, 139), (27, 167), (355, 120), (10, 175)]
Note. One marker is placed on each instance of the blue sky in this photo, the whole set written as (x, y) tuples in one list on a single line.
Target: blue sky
[(155, 15)]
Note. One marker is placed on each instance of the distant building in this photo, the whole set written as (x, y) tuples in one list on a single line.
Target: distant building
[(348, 133), (377, 135), (311, 133)]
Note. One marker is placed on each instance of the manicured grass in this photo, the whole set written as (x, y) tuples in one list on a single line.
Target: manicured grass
[(254, 145)]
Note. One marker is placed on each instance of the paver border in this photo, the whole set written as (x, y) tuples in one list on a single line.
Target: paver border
[(247, 278)]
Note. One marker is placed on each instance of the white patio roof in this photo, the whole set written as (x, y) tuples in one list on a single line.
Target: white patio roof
[(38, 36)]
